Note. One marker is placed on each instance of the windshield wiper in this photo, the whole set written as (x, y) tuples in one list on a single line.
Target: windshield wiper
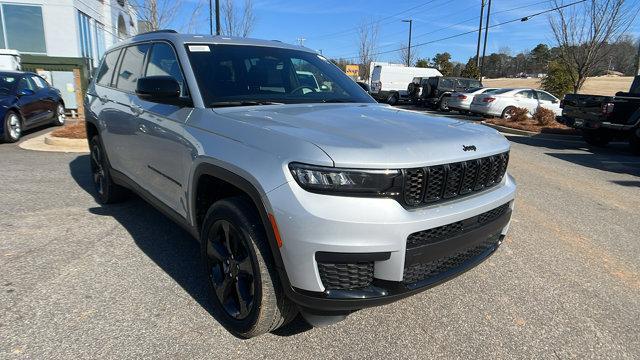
[(242, 103)]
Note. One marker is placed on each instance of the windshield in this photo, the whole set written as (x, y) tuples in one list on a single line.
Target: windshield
[(7, 84), (255, 75)]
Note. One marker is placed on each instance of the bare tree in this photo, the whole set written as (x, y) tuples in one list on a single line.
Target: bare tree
[(234, 22), (583, 31), (367, 45), (406, 56), (160, 14)]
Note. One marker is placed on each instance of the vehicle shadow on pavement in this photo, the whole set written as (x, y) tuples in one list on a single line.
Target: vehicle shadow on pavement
[(174, 250), (616, 158)]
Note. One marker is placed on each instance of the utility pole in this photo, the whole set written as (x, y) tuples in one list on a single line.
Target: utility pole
[(486, 35), (638, 59), (217, 17), (410, 21), (479, 35), (210, 18), (301, 41)]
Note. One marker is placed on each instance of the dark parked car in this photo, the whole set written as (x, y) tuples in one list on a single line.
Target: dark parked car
[(26, 101), (605, 118), (435, 91)]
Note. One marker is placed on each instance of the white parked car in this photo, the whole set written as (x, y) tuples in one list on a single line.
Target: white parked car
[(461, 101), (502, 102)]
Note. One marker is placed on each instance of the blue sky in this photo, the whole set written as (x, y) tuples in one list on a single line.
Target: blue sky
[(329, 25)]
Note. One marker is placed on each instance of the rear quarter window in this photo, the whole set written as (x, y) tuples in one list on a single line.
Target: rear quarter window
[(105, 72)]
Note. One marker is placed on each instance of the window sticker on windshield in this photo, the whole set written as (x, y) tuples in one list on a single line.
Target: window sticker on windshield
[(199, 48)]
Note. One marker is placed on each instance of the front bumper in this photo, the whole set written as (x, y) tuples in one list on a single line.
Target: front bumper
[(310, 224)]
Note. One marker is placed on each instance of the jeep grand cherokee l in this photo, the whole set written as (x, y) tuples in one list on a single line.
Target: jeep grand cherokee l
[(311, 199)]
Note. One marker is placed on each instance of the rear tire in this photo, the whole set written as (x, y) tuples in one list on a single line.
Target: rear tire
[(443, 105), (243, 282), (12, 127), (107, 191), (600, 137)]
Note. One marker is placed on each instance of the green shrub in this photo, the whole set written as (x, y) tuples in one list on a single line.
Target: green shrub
[(558, 80)]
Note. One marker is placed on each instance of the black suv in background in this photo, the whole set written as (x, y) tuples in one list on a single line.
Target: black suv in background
[(605, 118), (435, 91)]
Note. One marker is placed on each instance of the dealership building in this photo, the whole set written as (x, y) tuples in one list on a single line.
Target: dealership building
[(64, 39)]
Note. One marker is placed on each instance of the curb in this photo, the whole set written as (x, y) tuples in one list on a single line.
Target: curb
[(50, 143), (509, 130)]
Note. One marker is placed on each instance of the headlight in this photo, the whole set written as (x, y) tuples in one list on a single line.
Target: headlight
[(383, 183)]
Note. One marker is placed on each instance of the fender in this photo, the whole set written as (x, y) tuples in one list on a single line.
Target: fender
[(256, 198)]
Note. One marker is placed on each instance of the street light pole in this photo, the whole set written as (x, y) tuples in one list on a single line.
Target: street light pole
[(479, 35), (486, 35), (410, 21)]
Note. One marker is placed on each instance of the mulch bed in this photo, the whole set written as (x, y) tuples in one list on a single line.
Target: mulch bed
[(533, 126), (72, 131)]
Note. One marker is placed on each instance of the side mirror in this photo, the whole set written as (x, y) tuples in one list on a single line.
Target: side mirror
[(25, 92), (161, 89)]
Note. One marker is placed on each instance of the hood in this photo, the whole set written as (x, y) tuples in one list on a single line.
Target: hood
[(373, 135)]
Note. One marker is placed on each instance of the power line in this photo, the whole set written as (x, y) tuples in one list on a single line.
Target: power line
[(525, 18), (355, 28), (457, 24)]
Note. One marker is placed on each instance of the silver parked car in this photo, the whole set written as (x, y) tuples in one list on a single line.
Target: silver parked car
[(308, 198)]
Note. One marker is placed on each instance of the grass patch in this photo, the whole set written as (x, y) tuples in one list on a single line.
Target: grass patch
[(72, 131)]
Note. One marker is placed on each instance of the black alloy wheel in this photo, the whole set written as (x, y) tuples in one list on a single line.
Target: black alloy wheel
[(231, 269)]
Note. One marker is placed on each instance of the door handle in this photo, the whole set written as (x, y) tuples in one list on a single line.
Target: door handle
[(137, 110), (143, 128)]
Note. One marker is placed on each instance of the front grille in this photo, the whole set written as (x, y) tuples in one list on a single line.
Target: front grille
[(437, 183), (346, 276), (443, 232), (432, 269)]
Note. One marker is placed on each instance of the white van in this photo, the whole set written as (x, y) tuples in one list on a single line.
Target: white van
[(9, 60), (389, 83)]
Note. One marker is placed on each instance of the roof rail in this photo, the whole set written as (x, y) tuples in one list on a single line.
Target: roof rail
[(166, 31)]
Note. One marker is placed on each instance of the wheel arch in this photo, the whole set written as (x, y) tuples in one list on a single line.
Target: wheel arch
[(205, 170)]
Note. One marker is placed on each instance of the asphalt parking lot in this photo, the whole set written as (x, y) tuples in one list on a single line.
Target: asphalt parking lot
[(79, 280)]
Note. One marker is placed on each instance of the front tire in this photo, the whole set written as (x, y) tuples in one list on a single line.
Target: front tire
[(243, 282), (443, 105), (598, 138), (12, 127), (107, 191), (508, 112), (59, 117)]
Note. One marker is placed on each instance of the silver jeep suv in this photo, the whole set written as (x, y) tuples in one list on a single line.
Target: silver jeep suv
[(304, 193)]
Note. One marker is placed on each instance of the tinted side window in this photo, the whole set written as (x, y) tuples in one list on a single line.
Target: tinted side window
[(164, 62), (545, 96), (40, 83), (26, 83), (105, 73), (131, 67)]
